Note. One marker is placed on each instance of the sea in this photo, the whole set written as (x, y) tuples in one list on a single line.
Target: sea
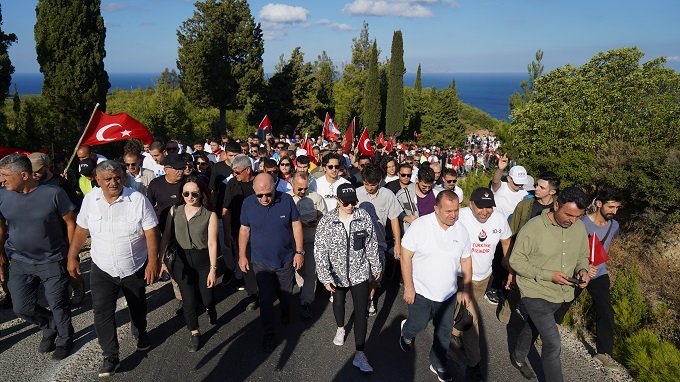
[(487, 91)]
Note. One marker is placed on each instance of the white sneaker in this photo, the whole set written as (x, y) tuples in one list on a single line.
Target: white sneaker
[(339, 338), (361, 362), (331, 298), (371, 308)]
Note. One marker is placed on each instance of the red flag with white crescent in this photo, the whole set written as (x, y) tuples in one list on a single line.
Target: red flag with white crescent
[(348, 141), (106, 128), (365, 144), (265, 124), (381, 140), (330, 132), (389, 145)]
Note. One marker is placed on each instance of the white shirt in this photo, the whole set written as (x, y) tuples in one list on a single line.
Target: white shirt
[(117, 230), (484, 238), (150, 164), (506, 200), (329, 191), (436, 256), (456, 190)]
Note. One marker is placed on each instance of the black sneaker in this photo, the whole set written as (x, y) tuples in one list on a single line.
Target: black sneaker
[(61, 352), (404, 344), (194, 343), (143, 343), (109, 367), (240, 284), (492, 297), (47, 344), (523, 368), (442, 374), (179, 309), (269, 343), (254, 304), (306, 311), (474, 373)]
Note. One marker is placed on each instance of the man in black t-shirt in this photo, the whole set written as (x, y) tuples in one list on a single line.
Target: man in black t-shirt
[(221, 171)]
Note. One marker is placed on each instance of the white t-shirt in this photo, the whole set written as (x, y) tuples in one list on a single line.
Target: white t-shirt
[(436, 256), (506, 200), (150, 164), (484, 238), (329, 191)]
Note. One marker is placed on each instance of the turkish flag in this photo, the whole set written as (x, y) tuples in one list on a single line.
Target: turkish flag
[(348, 141), (381, 140), (265, 124), (365, 144), (106, 128), (4, 151), (330, 132), (389, 145), (598, 254), (307, 145)]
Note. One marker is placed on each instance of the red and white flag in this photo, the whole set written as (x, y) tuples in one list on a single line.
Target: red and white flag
[(348, 141), (265, 125), (365, 144), (381, 140), (598, 254), (106, 128), (330, 132), (389, 145)]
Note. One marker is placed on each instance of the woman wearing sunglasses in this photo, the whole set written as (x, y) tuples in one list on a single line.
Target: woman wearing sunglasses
[(193, 229), (286, 168), (346, 254)]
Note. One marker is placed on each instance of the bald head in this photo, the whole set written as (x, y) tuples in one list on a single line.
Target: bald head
[(263, 185)]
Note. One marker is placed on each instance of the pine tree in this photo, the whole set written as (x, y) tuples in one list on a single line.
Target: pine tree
[(6, 68), (418, 84), (220, 57), (69, 42), (440, 123), (372, 109), (324, 75), (535, 70), (394, 119)]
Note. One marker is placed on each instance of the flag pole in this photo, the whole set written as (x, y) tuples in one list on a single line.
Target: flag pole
[(80, 140)]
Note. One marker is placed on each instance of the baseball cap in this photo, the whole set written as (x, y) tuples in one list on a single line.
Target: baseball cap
[(483, 198), (347, 193), (519, 175), (175, 162), (529, 185), (86, 166), (38, 161)]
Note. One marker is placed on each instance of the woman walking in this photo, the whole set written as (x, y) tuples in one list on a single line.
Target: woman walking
[(192, 228), (346, 254)]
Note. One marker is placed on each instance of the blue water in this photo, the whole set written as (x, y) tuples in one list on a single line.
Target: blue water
[(486, 91)]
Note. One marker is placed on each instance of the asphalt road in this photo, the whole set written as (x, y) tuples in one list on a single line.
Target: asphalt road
[(232, 348)]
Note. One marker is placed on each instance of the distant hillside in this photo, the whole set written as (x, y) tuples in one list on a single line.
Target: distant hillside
[(475, 120)]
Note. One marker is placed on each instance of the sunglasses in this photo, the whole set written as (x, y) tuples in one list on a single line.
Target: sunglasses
[(345, 204), (272, 172), (193, 194), (284, 164), (201, 163), (130, 164), (237, 172), (452, 181), (333, 166), (260, 196), (406, 175), (303, 189)]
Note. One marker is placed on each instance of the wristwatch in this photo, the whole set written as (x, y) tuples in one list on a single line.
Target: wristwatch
[(300, 252)]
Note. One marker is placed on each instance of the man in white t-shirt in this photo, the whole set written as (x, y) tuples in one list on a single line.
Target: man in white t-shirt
[(486, 228), (327, 185), (434, 250)]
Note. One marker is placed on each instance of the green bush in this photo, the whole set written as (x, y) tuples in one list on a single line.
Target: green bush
[(630, 310), (473, 181), (650, 358)]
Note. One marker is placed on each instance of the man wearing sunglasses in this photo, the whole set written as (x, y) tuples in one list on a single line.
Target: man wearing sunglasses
[(138, 178), (418, 199), (327, 185), (449, 181), (272, 220), (404, 172)]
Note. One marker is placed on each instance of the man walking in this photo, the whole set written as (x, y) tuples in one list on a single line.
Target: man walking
[(434, 250), (272, 215), (122, 225), (32, 235), (550, 258)]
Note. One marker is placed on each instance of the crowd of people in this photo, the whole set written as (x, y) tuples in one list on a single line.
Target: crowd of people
[(279, 216)]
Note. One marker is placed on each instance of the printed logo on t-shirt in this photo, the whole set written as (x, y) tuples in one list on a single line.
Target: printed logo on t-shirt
[(482, 235)]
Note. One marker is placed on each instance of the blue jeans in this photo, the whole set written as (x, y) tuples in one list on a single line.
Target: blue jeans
[(441, 313), (541, 320), (24, 279)]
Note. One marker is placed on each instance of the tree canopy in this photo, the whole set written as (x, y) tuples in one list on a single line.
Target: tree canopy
[(6, 68), (394, 117)]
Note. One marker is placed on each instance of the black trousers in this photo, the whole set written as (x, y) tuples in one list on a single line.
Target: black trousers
[(273, 282), (360, 302), (23, 283), (105, 289), (190, 270)]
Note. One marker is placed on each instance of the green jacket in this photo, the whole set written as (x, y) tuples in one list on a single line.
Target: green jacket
[(542, 248), (521, 215)]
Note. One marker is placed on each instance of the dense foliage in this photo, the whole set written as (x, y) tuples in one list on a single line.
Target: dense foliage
[(6, 68), (372, 107), (394, 115), (69, 38)]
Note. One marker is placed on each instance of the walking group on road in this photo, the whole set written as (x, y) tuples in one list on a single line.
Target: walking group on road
[(280, 216)]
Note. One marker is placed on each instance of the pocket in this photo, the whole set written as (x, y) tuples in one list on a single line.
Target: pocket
[(95, 224), (359, 240)]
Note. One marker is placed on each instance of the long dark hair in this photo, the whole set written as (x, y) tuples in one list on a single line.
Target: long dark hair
[(204, 199)]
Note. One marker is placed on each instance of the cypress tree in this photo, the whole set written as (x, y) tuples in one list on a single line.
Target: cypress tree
[(220, 57), (418, 84), (394, 119), (6, 68), (372, 108), (69, 42)]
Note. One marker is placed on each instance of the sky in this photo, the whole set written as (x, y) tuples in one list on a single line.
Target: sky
[(444, 36)]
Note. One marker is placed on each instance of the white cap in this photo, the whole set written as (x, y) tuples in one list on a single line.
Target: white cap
[(299, 152), (519, 175), (529, 186)]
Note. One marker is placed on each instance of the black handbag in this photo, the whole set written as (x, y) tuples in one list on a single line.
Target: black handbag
[(169, 247)]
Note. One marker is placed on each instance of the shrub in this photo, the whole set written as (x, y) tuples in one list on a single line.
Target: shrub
[(473, 181), (629, 306), (650, 358)]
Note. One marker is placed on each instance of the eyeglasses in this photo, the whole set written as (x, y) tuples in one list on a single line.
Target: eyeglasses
[(260, 196), (406, 175), (130, 164), (452, 181), (303, 189), (284, 164), (193, 194), (345, 204), (272, 172), (201, 163), (333, 166), (238, 172)]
